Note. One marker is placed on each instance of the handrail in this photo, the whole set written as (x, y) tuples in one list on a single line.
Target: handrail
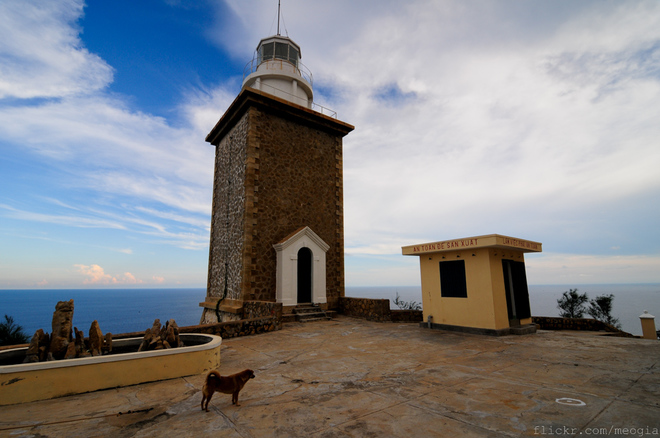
[(252, 66), (323, 110), (303, 71), (315, 106)]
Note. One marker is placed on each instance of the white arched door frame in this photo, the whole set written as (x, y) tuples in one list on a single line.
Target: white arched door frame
[(287, 266)]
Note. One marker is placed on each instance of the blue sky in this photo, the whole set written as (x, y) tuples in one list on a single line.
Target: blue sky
[(537, 120)]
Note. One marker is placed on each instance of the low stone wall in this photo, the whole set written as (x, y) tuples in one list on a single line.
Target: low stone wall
[(370, 309), (230, 329), (407, 315), (586, 324), (377, 310)]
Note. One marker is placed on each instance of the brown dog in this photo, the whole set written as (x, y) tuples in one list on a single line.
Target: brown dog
[(226, 385)]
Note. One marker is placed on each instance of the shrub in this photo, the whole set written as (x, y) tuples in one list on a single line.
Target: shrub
[(11, 333), (600, 308), (571, 304), (406, 305)]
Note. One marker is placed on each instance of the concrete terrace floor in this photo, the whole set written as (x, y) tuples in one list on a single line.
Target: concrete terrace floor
[(352, 378)]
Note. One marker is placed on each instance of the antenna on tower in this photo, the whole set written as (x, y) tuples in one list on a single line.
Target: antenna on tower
[(278, 17)]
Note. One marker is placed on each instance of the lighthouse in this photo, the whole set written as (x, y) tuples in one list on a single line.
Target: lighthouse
[(277, 225)]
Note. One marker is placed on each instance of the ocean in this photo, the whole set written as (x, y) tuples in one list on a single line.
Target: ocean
[(116, 310), (132, 310)]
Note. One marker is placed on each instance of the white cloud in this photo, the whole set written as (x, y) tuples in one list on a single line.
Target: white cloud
[(41, 54), (95, 275), (61, 219), (97, 143)]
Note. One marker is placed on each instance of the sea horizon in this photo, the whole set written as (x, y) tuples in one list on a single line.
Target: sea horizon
[(125, 310), (114, 287)]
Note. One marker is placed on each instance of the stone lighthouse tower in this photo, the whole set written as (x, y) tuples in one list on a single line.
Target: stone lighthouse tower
[(277, 227)]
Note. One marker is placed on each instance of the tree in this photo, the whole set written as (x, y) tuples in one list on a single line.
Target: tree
[(11, 333), (406, 305), (571, 304), (600, 308)]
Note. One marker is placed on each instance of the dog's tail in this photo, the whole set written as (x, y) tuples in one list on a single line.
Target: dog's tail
[(213, 375)]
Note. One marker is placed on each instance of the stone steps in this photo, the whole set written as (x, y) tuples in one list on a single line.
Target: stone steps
[(307, 313)]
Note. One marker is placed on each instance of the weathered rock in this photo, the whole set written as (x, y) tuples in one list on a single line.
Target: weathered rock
[(62, 329), (146, 340), (173, 337), (158, 337), (71, 351), (58, 347), (107, 345), (95, 339), (38, 349), (81, 350), (155, 328)]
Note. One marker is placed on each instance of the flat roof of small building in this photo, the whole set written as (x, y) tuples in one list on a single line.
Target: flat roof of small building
[(487, 241)]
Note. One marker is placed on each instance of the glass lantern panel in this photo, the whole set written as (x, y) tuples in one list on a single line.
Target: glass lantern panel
[(281, 51), (266, 52), (293, 56)]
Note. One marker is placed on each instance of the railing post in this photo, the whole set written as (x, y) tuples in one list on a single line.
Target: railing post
[(648, 326)]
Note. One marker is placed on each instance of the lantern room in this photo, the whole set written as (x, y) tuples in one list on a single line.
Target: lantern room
[(276, 69)]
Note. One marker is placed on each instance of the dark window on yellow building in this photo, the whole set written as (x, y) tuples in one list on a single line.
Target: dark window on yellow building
[(452, 279)]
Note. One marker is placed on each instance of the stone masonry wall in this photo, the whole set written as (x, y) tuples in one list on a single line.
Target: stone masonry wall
[(293, 179), (228, 216), (230, 329), (262, 309), (376, 310), (244, 327), (553, 323), (407, 315), (367, 308)]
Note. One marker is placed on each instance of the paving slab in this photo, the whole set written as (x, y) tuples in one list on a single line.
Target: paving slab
[(352, 378)]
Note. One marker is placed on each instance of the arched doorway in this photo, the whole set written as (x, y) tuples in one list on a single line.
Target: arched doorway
[(288, 267), (304, 275)]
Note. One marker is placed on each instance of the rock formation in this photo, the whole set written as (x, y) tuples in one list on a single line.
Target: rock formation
[(107, 345), (158, 338), (62, 329), (172, 334), (81, 346), (62, 345), (38, 349), (70, 351), (95, 339)]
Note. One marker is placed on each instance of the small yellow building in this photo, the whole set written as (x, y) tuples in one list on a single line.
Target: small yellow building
[(476, 284)]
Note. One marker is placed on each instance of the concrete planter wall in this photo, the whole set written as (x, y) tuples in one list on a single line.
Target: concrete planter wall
[(45, 380)]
